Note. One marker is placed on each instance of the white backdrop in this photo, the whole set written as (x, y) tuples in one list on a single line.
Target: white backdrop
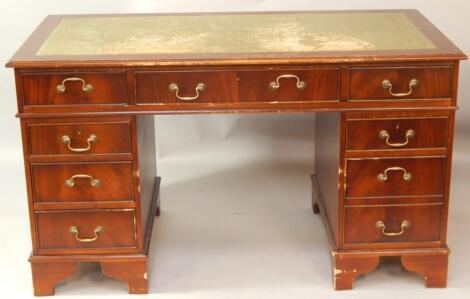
[(191, 145)]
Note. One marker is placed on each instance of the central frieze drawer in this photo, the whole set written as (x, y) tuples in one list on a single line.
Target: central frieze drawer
[(86, 230), (185, 87), (82, 182), (397, 133), (74, 88), (88, 138), (296, 85), (401, 83), (395, 177), (286, 85)]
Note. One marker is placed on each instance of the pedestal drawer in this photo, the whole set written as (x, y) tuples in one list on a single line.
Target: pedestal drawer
[(395, 177), (87, 138), (392, 224), (397, 133), (82, 231), (401, 83), (289, 85), (82, 182), (74, 88)]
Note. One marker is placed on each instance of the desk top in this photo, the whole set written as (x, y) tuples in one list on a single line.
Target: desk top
[(234, 38)]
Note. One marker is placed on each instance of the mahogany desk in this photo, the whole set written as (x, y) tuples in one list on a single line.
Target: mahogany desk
[(89, 86)]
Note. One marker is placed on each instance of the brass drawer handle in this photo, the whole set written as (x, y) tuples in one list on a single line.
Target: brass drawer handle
[(386, 84), (93, 182), (383, 177), (85, 86), (404, 225), (274, 85), (91, 139), (410, 134), (74, 231), (200, 87)]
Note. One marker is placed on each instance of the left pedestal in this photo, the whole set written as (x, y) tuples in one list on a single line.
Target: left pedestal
[(93, 194)]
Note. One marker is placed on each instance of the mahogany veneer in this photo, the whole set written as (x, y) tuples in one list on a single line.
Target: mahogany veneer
[(427, 177), (109, 87), (110, 181), (383, 149), (112, 137), (153, 87), (118, 231), (361, 225), (321, 84), (433, 82), (428, 133)]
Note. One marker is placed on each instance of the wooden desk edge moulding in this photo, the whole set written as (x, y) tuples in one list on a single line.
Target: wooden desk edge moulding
[(88, 87)]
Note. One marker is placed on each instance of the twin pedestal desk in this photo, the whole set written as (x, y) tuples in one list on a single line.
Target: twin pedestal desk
[(384, 84)]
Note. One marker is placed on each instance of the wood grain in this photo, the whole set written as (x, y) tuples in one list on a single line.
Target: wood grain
[(47, 274), (45, 138), (347, 268), (147, 169), (109, 87), (133, 273), (424, 226), (432, 267), (428, 175), (320, 85), (118, 231), (433, 82), (328, 165), (153, 87), (116, 182), (429, 133)]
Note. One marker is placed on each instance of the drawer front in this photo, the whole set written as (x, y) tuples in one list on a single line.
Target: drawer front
[(397, 83), (392, 224), (289, 85), (81, 138), (395, 134), (82, 182), (395, 177), (185, 87), (73, 230), (77, 88)]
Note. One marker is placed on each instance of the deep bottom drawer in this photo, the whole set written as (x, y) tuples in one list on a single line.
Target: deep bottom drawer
[(86, 230), (392, 224)]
